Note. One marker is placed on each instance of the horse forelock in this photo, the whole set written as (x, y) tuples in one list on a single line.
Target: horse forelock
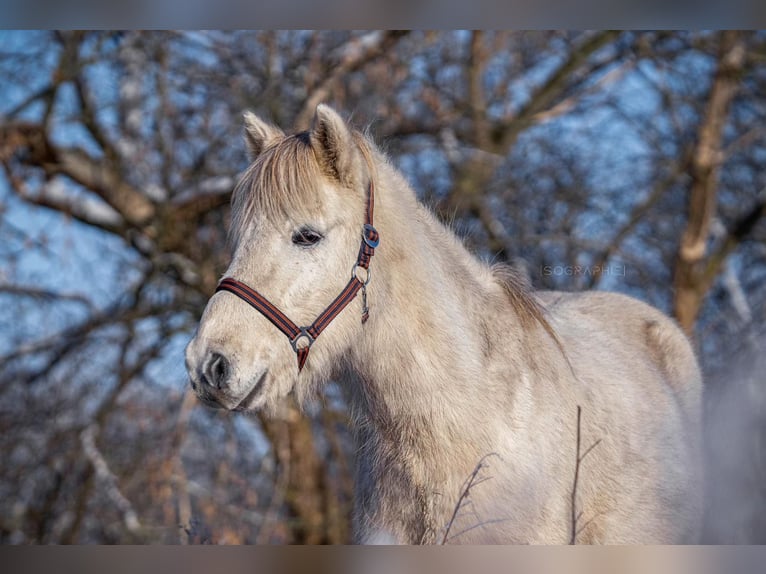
[(280, 184)]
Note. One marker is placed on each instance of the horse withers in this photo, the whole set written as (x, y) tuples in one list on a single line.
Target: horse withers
[(483, 412)]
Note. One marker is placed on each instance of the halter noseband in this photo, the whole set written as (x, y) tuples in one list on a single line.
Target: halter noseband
[(370, 240)]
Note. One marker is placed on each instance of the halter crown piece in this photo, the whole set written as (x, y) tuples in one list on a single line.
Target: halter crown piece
[(297, 335)]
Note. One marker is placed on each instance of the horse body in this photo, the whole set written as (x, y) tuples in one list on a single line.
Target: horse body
[(460, 363)]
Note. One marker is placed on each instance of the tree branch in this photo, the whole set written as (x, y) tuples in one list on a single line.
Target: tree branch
[(85, 210), (108, 479), (88, 118), (94, 174), (545, 95), (470, 482), (691, 283), (636, 216), (352, 56), (574, 515), (102, 179), (739, 231), (475, 74), (46, 294)]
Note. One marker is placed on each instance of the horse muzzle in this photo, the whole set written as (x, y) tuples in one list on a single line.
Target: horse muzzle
[(212, 377)]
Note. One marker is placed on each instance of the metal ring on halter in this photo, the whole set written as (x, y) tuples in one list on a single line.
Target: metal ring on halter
[(369, 274), (304, 333)]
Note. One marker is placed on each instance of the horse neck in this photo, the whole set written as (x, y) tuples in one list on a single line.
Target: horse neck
[(436, 317)]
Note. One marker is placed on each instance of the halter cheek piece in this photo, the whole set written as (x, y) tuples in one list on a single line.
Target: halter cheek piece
[(295, 334)]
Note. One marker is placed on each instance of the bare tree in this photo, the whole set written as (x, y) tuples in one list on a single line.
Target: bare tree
[(118, 153)]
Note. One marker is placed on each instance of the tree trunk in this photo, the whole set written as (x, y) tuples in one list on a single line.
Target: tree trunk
[(690, 286)]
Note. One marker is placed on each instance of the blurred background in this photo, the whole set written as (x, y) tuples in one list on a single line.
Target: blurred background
[(627, 161)]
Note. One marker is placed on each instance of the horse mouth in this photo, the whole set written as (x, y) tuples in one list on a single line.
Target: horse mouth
[(246, 402)]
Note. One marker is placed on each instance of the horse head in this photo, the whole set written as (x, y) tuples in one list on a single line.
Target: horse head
[(302, 240)]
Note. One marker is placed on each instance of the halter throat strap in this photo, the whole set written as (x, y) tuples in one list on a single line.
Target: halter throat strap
[(302, 338)]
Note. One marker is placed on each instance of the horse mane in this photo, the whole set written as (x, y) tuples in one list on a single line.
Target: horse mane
[(523, 301)]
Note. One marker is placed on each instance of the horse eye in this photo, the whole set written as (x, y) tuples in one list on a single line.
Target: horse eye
[(306, 237)]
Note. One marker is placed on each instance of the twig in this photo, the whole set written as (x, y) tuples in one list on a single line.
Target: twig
[(591, 519), (44, 294), (545, 95), (573, 537), (179, 477), (566, 105), (357, 52), (637, 215), (480, 524), (468, 484), (590, 448), (105, 475), (575, 515)]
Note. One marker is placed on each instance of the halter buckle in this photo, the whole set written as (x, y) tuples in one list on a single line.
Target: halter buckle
[(368, 232), (304, 332)]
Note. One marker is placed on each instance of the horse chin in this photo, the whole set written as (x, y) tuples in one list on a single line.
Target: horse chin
[(256, 395), (267, 393)]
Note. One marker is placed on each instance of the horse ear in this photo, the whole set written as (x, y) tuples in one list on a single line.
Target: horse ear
[(333, 143), (259, 134)]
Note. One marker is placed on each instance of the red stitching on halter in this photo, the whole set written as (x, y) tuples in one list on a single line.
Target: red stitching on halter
[(370, 240)]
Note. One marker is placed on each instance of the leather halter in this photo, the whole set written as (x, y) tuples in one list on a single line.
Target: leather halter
[(370, 240)]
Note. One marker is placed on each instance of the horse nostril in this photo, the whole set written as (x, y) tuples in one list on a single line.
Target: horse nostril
[(216, 371)]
